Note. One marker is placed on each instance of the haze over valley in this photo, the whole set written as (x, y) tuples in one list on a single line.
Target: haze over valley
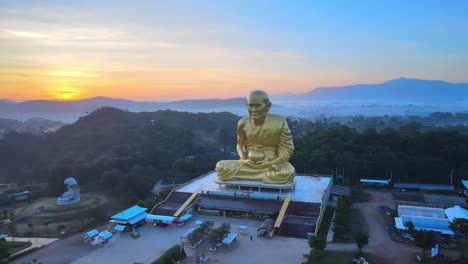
[(401, 97)]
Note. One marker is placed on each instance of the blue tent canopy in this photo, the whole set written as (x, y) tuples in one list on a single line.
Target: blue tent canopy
[(185, 217), (230, 238), (106, 235), (188, 233), (92, 233), (119, 228), (375, 181), (160, 218)]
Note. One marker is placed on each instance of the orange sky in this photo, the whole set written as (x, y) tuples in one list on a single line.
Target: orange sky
[(166, 50)]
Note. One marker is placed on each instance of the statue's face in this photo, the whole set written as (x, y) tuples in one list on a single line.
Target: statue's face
[(257, 107)]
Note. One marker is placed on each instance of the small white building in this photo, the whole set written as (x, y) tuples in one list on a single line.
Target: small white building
[(456, 212), (428, 218), (465, 185)]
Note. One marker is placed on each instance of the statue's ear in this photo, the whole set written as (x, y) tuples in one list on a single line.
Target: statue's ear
[(269, 105)]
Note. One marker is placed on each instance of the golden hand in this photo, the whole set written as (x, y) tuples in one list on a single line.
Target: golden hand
[(259, 165)]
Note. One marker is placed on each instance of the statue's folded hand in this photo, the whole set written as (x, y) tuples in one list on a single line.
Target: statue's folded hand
[(257, 165)]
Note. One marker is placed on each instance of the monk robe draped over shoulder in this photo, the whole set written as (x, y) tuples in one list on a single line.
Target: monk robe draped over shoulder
[(274, 138)]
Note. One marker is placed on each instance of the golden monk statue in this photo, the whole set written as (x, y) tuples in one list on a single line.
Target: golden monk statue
[(264, 144)]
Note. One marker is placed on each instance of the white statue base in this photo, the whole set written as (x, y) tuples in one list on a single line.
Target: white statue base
[(257, 185), (66, 201)]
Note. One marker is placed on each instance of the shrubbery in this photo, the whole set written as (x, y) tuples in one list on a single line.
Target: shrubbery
[(171, 256), (342, 217)]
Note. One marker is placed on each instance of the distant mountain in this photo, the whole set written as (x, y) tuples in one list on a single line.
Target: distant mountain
[(395, 97), (7, 101), (69, 111), (398, 91)]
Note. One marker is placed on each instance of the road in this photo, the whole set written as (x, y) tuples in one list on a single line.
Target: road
[(64, 250)]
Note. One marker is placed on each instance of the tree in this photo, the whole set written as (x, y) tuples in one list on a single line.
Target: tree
[(31, 225), (459, 225), (4, 249), (318, 244), (361, 239), (425, 239), (196, 236), (216, 236), (410, 227)]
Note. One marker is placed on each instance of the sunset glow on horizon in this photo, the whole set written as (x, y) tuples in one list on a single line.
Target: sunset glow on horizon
[(171, 50)]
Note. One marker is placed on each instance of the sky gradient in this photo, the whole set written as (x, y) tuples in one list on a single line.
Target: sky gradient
[(167, 50)]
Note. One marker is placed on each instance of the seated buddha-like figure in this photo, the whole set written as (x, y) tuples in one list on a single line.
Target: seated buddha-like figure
[(264, 144)]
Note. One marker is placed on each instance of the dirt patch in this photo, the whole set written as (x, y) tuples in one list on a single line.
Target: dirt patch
[(380, 242), (43, 217)]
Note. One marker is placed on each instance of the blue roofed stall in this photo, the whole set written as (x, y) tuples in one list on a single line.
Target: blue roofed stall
[(119, 228), (105, 235), (376, 182), (131, 216), (230, 239), (91, 234)]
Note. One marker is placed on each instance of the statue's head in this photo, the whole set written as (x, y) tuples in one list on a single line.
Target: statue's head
[(258, 104)]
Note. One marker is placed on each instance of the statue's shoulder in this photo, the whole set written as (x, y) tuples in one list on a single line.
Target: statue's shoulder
[(243, 121), (276, 118)]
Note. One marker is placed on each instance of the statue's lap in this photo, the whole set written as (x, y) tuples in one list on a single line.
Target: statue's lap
[(232, 170)]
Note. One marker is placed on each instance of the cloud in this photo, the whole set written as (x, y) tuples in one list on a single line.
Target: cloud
[(25, 34)]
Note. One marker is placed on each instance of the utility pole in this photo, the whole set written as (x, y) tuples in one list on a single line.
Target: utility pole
[(343, 176), (451, 177)]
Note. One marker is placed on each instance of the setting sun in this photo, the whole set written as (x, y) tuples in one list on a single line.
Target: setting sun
[(66, 94)]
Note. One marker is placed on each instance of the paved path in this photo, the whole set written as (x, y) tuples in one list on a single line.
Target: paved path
[(36, 242), (330, 229), (61, 251), (155, 240), (344, 247)]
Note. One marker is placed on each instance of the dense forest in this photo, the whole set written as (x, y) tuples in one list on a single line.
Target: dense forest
[(125, 153), (119, 151)]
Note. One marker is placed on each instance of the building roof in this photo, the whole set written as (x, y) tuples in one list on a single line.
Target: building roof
[(386, 182), (465, 183), (129, 213), (160, 218), (340, 190), (419, 211), (422, 186), (424, 223), (268, 225), (307, 188), (443, 199), (137, 218), (456, 212)]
